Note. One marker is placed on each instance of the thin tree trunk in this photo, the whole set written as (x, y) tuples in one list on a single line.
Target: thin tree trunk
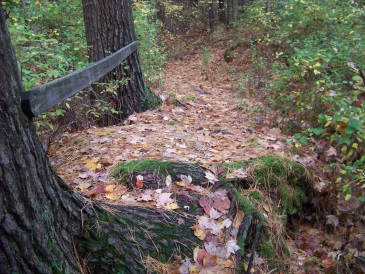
[(211, 17), (222, 14)]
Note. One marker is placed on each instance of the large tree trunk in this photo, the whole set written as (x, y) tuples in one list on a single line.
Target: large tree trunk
[(44, 226), (109, 27), (36, 208)]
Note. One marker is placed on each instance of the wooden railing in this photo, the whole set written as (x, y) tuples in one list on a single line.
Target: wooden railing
[(41, 98)]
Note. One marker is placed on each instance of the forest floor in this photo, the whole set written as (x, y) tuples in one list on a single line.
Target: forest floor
[(201, 120)]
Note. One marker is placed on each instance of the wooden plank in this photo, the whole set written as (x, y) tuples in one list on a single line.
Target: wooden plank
[(41, 98)]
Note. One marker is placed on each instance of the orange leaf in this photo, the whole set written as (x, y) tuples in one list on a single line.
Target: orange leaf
[(139, 183)]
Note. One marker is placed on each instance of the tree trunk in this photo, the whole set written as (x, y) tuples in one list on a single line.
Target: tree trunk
[(109, 27), (36, 209), (229, 17), (211, 16), (222, 14), (44, 227)]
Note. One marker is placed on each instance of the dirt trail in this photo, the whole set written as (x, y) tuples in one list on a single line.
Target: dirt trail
[(205, 124)]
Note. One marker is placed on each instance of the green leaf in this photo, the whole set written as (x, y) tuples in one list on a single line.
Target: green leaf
[(357, 78), (355, 123), (350, 130), (302, 139), (316, 131), (362, 199)]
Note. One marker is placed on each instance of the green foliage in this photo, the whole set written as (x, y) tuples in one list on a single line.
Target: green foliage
[(315, 71), (48, 38), (147, 29)]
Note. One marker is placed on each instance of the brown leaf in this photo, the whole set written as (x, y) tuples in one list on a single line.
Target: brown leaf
[(238, 219), (221, 204), (210, 260), (328, 262), (96, 190), (206, 204)]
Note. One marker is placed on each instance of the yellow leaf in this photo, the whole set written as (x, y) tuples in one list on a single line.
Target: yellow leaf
[(193, 269), (172, 206), (109, 188), (92, 164), (182, 184), (112, 196), (267, 208), (245, 266), (200, 233)]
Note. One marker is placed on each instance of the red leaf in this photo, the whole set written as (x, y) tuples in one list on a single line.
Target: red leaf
[(328, 262), (206, 204)]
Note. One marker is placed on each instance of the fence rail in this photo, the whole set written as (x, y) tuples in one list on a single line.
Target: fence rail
[(41, 98)]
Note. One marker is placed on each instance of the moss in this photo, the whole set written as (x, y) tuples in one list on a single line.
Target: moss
[(255, 195), (234, 165), (267, 248), (247, 207), (137, 166)]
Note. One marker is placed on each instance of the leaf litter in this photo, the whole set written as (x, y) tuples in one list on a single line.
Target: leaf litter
[(210, 127)]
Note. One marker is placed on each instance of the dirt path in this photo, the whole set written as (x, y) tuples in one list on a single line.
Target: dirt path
[(200, 121)]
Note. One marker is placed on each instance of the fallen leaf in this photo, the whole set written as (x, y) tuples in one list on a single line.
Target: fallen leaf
[(200, 256), (266, 207), (84, 175), (331, 152), (206, 204), (163, 199), (328, 262), (332, 220), (180, 221), (168, 180), (193, 269), (221, 204), (109, 188), (232, 246), (211, 177), (172, 206), (182, 184), (92, 164), (200, 233), (210, 260), (139, 182), (238, 219), (214, 214), (237, 173), (146, 196), (96, 190), (186, 179), (245, 267)]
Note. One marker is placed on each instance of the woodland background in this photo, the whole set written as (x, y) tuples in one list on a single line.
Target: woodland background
[(304, 60)]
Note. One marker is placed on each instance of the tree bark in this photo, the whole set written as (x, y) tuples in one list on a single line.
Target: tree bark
[(109, 27), (222, 13), (229, 17), (37, 210), (44, 226)]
